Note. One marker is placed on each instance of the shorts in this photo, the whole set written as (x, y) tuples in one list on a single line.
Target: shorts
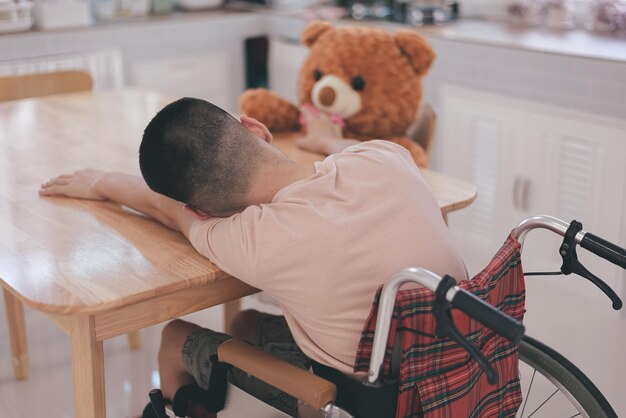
[(272, 335)]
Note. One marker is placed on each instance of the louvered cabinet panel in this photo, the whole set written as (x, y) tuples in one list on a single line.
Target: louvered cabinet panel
[(486, 135), (479, 146), (585, 180)]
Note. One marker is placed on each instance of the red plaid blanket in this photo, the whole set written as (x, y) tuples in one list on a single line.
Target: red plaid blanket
[(438, 378)]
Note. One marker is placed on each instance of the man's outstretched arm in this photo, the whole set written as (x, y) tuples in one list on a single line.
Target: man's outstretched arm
[(125, 189)]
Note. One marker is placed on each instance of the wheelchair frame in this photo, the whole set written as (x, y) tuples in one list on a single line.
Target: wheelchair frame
[(570, 380)]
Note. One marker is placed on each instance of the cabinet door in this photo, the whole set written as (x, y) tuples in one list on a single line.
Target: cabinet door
[(584, 178), (285, 59), (528, 159), (478, 139), (205, 76)]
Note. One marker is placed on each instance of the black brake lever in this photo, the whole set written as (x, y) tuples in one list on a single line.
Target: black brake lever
[(446, 328), (571, 264)]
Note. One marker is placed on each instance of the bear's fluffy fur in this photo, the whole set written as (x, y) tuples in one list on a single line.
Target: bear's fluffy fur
[(375, 73)]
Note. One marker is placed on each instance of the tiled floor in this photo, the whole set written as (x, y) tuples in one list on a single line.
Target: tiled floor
[(49, 392)]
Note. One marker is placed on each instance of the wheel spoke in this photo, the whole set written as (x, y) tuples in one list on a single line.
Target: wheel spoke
[(528, 391), (543, 403)]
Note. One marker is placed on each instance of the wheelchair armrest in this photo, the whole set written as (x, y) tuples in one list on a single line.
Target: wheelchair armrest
[(292, 380)]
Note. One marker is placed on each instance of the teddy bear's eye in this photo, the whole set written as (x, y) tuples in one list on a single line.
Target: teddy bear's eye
[(317, 75), (358, 83)]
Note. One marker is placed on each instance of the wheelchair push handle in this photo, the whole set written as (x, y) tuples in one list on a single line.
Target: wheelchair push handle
[(574, 234), (599, 246), (488, 315), (604, 249)]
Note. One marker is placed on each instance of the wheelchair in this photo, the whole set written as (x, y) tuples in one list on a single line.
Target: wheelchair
[(446, 349)]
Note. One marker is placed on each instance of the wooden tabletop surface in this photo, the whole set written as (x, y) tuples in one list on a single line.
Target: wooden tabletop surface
[(67, 256)]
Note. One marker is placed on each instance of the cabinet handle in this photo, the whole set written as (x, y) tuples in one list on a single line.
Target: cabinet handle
[(525, 193), (516, 184)]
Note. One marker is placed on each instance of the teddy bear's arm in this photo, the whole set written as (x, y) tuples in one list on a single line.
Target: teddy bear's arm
[(270, 109), (417, 152)]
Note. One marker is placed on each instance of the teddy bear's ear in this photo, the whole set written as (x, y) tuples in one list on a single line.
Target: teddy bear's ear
[(416, 48), (313, 31)]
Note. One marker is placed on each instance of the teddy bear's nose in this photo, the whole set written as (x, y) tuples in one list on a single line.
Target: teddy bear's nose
[(327, 96)]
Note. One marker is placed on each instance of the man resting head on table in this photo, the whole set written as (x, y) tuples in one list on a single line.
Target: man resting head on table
[(319, 238)]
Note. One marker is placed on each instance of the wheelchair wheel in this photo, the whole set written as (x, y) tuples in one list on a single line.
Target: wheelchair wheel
[(553, 387)]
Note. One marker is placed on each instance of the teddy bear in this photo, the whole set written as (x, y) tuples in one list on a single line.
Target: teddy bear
[(366, 80)]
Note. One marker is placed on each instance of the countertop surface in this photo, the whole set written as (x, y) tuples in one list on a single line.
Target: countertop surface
[(577, 43)]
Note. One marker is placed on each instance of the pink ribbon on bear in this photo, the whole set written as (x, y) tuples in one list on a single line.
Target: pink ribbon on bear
[(312, 110)]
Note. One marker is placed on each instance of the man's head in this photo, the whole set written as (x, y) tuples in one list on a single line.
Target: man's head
[(194, 152)]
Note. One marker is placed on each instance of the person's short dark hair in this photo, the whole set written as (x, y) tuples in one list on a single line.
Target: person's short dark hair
[(194, 152)]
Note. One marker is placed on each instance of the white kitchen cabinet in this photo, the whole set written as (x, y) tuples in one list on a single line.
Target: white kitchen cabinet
[(486, 143), (103, 65), (584, 179), (527, 159), (285, 59), (206, 76)]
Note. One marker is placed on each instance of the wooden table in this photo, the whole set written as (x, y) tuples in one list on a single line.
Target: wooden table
[(96, 269)]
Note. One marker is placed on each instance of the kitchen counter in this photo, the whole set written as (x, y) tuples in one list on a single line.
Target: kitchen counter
[(576, 43), (575, 69), (123, 33)]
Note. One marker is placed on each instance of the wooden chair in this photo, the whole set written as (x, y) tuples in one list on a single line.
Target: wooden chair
[(422, 130), (23, 87), (44, 84)]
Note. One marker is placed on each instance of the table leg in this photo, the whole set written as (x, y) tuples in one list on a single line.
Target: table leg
[(134, 340), (17, 335), (88, 368), (231, 308)]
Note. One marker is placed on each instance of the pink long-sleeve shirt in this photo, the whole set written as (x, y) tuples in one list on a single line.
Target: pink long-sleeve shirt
[(325, 244)]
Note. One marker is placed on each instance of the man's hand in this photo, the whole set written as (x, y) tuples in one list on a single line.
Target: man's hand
[(81, 184), (124, 189)]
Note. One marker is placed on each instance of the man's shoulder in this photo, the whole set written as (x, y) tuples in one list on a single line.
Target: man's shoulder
[(379, 146), (382, 153)]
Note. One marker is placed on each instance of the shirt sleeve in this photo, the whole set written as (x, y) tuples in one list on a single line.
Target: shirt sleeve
[(232, 244)]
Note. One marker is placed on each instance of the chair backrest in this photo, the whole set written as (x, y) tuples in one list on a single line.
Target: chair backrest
[(422, 130), (44, 84)]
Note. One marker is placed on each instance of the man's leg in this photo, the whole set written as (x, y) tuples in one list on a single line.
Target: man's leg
[(183, 359), (171, 367), (272, 335), (244, 325), (186, 348), (260, 328)]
